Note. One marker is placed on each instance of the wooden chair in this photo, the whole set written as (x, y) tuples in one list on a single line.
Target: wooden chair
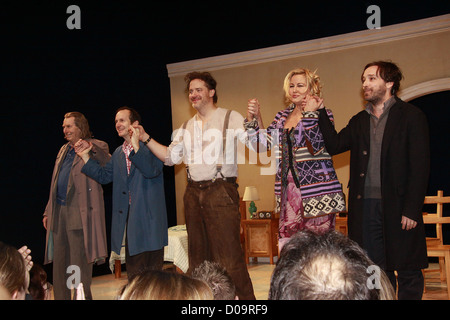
[(435, 245)]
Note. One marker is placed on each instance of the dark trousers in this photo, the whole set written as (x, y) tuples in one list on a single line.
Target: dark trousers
[(144, 261), (68, 250), (410, 283), (138, 263), (213, 225)]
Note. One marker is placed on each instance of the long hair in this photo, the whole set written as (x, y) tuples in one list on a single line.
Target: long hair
[(81, 122), (13, 272)]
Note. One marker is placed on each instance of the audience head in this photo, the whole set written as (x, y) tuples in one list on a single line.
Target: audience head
[(4, 293), (217, 278), (326, 266), (38, 283), (14, 276), (163, 285)]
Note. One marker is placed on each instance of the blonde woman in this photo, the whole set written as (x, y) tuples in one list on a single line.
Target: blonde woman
[(307, 189)]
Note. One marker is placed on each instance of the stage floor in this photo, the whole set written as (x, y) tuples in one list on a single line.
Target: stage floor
[(106, 287)]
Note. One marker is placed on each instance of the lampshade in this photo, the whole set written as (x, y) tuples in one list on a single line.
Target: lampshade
[(250, 194)]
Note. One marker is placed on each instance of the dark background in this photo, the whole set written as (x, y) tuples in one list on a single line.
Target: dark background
[(119, 58)]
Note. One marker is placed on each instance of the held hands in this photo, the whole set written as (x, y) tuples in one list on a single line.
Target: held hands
[(313, 103), (82, 148), (134, 133), (141, 132), (253, 109)]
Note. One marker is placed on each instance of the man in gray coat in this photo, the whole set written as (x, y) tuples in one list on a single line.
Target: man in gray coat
[(75, 214), (389, 168)]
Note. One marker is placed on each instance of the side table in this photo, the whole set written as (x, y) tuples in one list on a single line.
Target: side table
[(261, 238)]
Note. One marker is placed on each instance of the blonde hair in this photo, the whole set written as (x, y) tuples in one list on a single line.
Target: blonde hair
[(312, 81), (386, 291), (163, 285)]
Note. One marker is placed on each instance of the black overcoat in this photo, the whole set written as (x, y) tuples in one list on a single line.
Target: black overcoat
[(405, 165)]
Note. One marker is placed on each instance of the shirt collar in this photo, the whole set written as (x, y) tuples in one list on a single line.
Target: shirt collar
[(387, 105), (127, 147)]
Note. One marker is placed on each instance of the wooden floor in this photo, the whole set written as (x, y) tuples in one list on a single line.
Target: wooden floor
[(106, 287)]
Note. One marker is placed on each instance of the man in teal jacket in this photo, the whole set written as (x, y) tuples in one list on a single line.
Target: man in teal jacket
[(139, 208)]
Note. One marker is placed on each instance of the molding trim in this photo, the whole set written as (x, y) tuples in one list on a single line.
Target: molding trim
[(340, 42), (424, 88)]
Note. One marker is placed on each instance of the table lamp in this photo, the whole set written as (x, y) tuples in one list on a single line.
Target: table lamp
[(251, 194)]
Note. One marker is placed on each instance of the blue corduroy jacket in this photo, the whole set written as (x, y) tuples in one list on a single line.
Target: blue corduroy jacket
[(137, 197)]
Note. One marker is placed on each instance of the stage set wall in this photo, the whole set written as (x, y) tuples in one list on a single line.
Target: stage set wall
[(421, 49)]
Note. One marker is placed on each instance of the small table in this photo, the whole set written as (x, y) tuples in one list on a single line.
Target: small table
[(261, 238), (176, 251), (341, 225)]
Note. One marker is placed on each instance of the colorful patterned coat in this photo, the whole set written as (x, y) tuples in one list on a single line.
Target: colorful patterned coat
[(302, 151)]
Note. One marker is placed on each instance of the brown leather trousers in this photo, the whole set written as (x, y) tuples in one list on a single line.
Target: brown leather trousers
[(213, 224)]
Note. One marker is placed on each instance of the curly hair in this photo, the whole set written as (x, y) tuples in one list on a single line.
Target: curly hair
[(206, 77), (217, 278), (312, 81)]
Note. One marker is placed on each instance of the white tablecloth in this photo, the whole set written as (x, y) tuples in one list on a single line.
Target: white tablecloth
[(176, 251)]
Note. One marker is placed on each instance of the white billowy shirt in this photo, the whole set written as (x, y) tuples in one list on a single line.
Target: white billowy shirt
[(200, 146)]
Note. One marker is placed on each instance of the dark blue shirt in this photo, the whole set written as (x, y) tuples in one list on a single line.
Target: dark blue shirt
[(63, 177)]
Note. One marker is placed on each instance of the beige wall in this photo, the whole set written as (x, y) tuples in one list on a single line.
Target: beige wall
[(420, 48)]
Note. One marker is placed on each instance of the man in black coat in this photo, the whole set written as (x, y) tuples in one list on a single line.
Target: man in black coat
[(389, 169)]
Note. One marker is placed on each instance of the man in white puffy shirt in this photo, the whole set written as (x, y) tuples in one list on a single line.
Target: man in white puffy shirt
[(207, 144)]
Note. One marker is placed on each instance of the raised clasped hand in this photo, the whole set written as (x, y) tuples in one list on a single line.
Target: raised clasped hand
[(134, 137), (313, 103), (82, 147), (140, 131), (253, 109)]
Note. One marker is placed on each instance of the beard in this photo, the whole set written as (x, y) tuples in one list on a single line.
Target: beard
[(375, 95), (197, 104)]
